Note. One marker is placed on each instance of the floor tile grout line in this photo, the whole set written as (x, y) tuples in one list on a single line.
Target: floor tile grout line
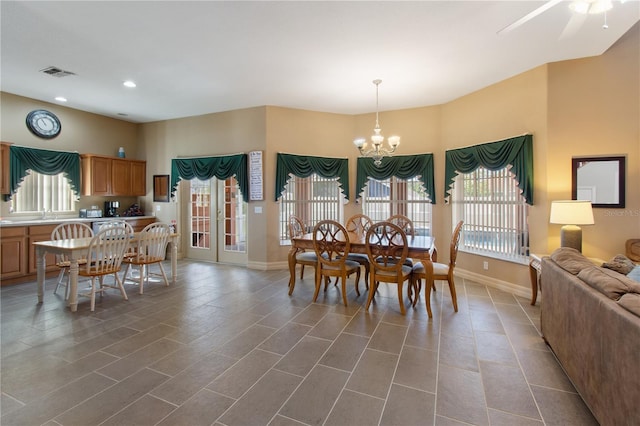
[(520, 368), (272, 368), (395, 371), (317, 363), (350, 374), (477, 356), (437, 379)]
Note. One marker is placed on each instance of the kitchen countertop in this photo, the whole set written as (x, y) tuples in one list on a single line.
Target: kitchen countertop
[(5, 223)]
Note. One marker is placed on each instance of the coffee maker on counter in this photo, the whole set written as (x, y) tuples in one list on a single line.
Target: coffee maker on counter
[(111, 208)]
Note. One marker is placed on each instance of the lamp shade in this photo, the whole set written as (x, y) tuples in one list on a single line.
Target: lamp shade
[(570, 212)]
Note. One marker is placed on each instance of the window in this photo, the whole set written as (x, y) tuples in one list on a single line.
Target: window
[(312, 199), (494, 214), (384, 198), (39, 192)]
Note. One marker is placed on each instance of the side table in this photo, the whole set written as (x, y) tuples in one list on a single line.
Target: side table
[(535, 265)]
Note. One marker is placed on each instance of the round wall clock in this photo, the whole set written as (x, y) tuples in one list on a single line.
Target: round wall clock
[(43, 124)]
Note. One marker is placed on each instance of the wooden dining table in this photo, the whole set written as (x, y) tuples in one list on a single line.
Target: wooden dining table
[(421, 248), (76, 249)]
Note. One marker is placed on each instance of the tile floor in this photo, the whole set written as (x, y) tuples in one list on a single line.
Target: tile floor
[(228, 346)]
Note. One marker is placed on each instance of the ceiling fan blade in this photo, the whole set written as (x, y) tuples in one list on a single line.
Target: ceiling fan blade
[(529, 16), (573, 26)]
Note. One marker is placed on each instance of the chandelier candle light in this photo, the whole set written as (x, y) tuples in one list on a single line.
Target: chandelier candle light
[(377, 150)]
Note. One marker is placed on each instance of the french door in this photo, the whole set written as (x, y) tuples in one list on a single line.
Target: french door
[(217, 221)]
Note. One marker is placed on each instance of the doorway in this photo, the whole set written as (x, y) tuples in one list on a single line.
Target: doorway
[(217, 221)]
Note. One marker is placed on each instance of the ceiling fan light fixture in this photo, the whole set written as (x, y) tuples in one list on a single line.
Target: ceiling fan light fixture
[(581, 7), (592, 7), (600, 6)]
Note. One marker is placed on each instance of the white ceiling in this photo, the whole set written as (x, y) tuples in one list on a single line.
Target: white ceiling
[(192, 58)]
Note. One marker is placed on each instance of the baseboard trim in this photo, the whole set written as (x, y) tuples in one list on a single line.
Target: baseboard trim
[(268, 266), (517, 290)]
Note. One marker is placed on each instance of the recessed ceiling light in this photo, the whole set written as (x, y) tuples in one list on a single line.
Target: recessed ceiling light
[(129, 83), (61, 99)]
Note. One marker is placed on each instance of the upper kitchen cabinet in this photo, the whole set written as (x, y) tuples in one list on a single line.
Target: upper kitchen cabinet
[(113, 176)]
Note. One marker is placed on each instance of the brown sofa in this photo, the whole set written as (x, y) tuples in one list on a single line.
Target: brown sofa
[(590, 317)]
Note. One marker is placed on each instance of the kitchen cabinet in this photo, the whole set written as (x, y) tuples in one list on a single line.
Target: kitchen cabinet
[(35, 234), (96, 175), (4, 168), (139, 224), (113, 176), (13, 252), (18, 261)]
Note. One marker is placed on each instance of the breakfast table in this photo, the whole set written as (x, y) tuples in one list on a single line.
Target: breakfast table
[(75, 249)]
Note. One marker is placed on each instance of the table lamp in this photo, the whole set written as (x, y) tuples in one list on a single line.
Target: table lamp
[(571, 213)]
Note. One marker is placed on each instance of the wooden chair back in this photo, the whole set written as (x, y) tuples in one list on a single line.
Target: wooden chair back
[(106, 251), (68, 230), (331, 243), (403, 222), (455, 242), (359, 224), (387, 247), (297, 227), (152, 243)]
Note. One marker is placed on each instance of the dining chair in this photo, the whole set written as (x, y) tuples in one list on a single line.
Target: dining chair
[(150, 249), (407, 226), (441, 271), (303, 258), (331, 244), (387, 249), (359, 224), (104, 257), (65, 231), (403, 222)]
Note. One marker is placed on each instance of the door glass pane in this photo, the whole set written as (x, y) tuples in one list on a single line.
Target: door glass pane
[(235, 218), (200, 214)]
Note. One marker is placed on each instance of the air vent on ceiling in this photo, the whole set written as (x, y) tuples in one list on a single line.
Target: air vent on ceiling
[(57, 72)]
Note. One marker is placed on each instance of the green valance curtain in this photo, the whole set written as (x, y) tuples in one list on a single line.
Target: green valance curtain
[(304, 166), (43, 161), (401, 166), (517, 152), (205, 168)]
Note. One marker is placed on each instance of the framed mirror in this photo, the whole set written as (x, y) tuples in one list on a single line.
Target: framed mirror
[(600, 180)]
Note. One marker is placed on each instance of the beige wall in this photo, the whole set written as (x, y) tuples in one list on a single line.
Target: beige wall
[(510, 108), (81, 131), (582, 107), (224, 133), (594, 109)]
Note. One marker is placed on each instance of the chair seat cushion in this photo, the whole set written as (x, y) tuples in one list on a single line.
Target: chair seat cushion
[(350, 265), (405, 270), (142, 259), (408, 262), (308, 256), (438, 268), (358, 257)]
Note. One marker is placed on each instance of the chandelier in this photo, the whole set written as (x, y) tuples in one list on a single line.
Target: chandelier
[(377, 151)]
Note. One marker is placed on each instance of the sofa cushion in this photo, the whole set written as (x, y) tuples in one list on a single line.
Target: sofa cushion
[(620, 263), (610, 283), (571, 260), (635, 274), (631, 302)]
